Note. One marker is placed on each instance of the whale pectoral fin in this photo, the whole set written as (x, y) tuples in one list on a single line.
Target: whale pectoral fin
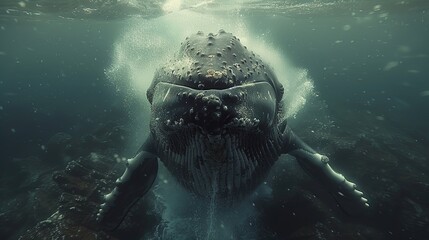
[(134, 183), (316, 165)]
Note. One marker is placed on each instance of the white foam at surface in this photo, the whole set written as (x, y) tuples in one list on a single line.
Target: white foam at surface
[(171, 5)]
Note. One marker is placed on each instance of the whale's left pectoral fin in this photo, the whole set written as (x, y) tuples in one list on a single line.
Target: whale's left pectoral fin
[(134, 183), (345, 192)]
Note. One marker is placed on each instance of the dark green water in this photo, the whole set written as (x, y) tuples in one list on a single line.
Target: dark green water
[(367, 107)]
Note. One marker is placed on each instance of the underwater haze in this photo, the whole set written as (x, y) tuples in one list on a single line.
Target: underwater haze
[(73, 108)]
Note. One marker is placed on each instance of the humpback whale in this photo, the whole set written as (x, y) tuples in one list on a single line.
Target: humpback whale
[(217, 125)]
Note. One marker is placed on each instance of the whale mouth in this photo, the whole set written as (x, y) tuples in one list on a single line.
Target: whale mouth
[(250, 107)]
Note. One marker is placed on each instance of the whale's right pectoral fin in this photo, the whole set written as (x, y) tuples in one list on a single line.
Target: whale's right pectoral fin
[(316, 165), (134, 183), (345, 193)]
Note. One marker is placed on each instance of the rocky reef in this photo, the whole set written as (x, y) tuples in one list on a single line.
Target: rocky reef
[(56, 195)]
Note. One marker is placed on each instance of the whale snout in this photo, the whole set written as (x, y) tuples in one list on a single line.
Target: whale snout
[(245, 107)]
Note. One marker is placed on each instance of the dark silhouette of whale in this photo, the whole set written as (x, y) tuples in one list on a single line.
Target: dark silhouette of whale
[(216, 124)]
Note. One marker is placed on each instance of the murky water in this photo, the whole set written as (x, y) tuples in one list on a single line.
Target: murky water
[(356, 89)]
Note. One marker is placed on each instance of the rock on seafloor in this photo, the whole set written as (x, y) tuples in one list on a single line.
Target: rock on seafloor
[(82, 184)]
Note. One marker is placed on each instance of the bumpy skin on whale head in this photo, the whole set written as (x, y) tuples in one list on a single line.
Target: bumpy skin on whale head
[(215, 124), (212, 80)]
